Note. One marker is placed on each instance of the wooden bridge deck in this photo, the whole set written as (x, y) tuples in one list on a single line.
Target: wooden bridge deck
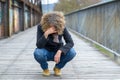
[(17, 61)]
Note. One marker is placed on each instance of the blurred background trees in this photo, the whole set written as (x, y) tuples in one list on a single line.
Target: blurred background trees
[(68, 6), (71, 5)]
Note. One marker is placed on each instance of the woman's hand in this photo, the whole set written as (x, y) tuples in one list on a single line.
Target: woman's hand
[(50, 30), (57, 56)]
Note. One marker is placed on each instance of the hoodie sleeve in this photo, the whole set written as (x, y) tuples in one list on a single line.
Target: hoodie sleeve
[(41, 40), (69, 42)]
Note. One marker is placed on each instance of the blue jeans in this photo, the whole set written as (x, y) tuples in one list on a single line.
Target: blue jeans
[(43, 55)]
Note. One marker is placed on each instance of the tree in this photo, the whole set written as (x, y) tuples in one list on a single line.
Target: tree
[(71, 5)]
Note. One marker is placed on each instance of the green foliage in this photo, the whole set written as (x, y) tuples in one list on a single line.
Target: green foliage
[(68, 6)]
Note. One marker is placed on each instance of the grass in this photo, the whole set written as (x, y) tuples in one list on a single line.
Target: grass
[(104, 51)]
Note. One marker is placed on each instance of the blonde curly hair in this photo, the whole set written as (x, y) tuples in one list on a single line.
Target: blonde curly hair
[(55, 18)]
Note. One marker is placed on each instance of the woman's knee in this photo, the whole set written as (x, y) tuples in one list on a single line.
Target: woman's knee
[(71, 54), (39, 54)]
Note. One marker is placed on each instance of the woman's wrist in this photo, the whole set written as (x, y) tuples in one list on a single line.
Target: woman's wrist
[(59, 51), (46, 35)]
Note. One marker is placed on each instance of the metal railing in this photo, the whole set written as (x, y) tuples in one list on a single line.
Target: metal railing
[(99, 23)]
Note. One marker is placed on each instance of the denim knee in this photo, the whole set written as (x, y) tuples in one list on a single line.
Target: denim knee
[(71, 54), (39, 55)]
